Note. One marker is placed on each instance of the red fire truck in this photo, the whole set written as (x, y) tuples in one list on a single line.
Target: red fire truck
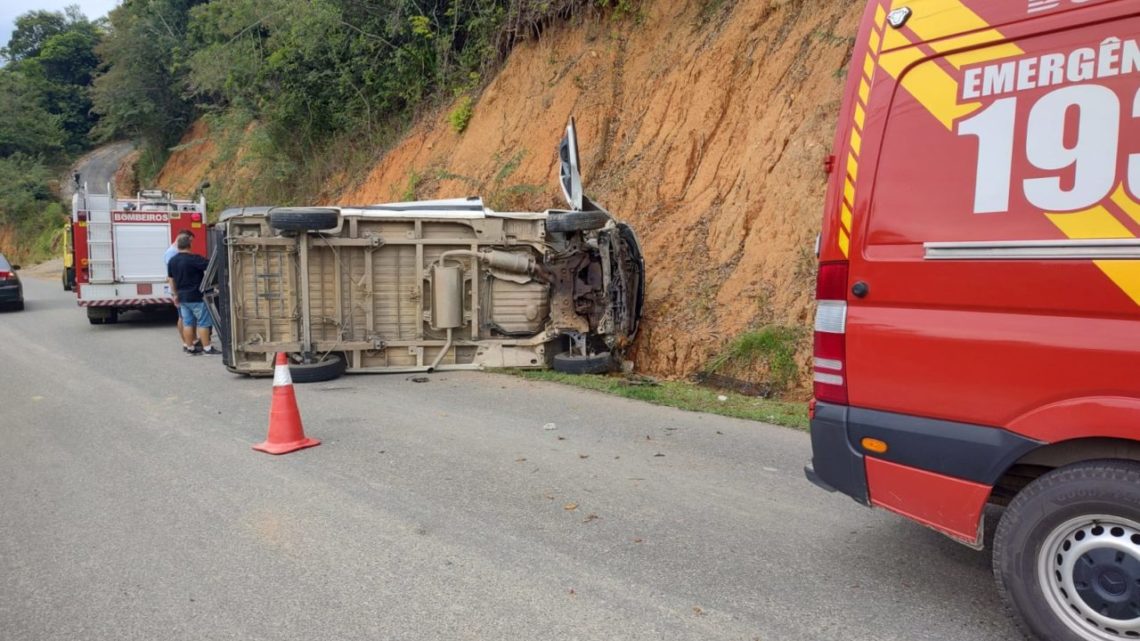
[(978, 329), (118, 246)]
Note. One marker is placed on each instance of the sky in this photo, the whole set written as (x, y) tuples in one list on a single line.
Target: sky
[(11, 9)]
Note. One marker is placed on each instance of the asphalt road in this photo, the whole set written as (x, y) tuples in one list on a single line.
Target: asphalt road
[(132, 507), (97, 168)]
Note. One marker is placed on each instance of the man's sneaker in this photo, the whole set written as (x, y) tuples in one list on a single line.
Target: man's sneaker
[(211, 350), (197, 343), (189, 351)]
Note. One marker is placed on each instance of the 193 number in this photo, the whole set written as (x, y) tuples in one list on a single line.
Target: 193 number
[(1092, 156)]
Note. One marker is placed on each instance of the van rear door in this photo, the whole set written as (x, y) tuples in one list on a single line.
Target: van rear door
[(997, 250)]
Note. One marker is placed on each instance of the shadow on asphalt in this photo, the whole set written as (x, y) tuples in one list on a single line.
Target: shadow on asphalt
[(137, 318), (882, 542), (31, 304)]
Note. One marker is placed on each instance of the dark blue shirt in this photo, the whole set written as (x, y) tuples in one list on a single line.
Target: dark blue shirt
[(187, 270)]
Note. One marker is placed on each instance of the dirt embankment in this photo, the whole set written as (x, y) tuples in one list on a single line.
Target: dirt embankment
[(706, 129)]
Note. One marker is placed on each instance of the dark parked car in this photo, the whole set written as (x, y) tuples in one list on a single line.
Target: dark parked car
[(11, 291)]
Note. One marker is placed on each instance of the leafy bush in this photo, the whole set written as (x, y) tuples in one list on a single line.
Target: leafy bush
[(461, 115)]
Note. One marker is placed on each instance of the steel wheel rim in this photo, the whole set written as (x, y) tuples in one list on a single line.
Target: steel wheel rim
[(1080, 567)]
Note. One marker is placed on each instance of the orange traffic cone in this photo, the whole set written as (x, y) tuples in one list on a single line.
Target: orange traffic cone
[(286, 434)]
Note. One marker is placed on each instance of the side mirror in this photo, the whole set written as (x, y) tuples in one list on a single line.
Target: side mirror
[(15, 267)]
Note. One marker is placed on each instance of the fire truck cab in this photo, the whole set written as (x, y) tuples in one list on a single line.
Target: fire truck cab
[(118, 246), (978, 324)]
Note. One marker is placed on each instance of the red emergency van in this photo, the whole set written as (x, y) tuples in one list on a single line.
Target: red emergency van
[(977, 339)]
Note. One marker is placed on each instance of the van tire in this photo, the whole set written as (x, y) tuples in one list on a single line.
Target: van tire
[(303, 218), (1052, 518), (332, 366), (571, 221), (568, 363)]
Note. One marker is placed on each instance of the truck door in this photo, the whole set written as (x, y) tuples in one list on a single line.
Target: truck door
[(138, 251)]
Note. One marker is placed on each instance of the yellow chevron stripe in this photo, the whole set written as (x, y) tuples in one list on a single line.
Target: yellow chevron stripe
[(980, 55), (1125, 202), (1126, 275), (940, 18), (928, 83), (937, 22), (934, 22), (874, 43), (1096, 222)]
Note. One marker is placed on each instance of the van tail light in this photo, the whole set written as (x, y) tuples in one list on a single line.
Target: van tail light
[(830, 354)]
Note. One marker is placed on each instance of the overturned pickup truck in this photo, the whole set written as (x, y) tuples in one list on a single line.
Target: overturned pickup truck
[(426, 286)]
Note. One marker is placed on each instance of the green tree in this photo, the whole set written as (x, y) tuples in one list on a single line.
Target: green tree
[(56, 52), (32, 30), (141, 95), (26, 126)]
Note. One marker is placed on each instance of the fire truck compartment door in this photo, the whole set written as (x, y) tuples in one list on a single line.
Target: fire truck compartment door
[(138, 252)]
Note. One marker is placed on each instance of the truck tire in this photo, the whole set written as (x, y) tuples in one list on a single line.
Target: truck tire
[(303, 218), (68, 278), (332, 366), (571, 221), (1067, 553), (568, 363)]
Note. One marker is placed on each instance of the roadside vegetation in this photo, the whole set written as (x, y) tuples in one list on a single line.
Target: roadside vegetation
[(683, 395), (764, 362), (324, 85), (45, 121)]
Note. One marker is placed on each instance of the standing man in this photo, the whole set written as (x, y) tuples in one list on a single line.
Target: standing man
[(184, 273), (170, 253)]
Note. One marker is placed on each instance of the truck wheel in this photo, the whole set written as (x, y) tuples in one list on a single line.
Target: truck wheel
[(568, 363), (96, 315), (1067, 553), (571, 221), (68, 278), (303, 218), (330, 367)]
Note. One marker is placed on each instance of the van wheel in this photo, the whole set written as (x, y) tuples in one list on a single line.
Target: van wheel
[(1067, 553), (332, 366), (303, 218), (568, 363), (571, 221)]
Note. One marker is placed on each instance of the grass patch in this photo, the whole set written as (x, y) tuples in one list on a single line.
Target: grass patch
[(682, 395), (772, 349)]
